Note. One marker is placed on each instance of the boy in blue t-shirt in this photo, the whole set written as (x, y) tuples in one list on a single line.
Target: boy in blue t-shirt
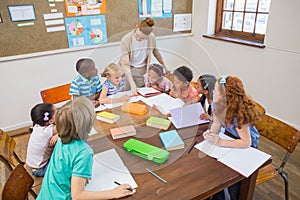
[(87, 83)]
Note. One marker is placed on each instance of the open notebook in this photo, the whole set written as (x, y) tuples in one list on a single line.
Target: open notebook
[(107, 168), (243, 160), (163, 102), (187, 116), (114, 105), (147, 91)]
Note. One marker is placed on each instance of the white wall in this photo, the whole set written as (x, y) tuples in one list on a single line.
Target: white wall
[(270, 75)]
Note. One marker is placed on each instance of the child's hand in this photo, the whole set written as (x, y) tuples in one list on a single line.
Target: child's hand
[(125, 98), (204, 116), (53, 140), (122, 190), (206, 133), (172, 92), (155, 86), (96, 103), (213, 138)]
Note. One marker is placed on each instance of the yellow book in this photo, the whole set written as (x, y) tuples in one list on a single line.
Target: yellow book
[(108, 117)]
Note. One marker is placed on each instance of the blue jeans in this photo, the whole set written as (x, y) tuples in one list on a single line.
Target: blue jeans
[(40, 171), (233, 190)]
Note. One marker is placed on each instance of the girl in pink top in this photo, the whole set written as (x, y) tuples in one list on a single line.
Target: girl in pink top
[(155, 78), (182, 88), (42, 139)]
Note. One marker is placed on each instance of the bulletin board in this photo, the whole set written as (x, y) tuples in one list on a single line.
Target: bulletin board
[(121, 17)]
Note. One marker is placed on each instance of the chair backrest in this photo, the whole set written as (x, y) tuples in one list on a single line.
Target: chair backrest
[(261, 109), (279, 132), (18, 184), (170, 77), (7, 146), (56, 94)]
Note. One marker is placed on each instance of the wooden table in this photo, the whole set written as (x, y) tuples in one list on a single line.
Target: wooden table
[(190, 175)]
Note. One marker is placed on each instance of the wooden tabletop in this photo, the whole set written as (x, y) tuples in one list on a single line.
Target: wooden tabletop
[(189, 175)]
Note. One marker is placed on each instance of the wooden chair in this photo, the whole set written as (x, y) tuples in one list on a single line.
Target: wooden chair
[(9, 157), (18, 185), (286, 137), (56, 94), (7, 153)]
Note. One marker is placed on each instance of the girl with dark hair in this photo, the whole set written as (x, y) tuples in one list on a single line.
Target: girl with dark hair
[(205, 87), (182, 85), (42, 139), (155, 78)]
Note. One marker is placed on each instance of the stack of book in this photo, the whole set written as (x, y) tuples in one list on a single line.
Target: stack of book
[(134, 108), (123, 131), (158, 122), (108, 117), (171, 140)]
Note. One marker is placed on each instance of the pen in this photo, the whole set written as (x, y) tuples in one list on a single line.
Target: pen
[(192, 147), (130, 189), (160, 178)]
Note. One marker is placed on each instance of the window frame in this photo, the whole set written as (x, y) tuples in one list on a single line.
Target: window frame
[(253, 39)]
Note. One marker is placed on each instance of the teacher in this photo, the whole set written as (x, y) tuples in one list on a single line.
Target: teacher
[(137, 47)]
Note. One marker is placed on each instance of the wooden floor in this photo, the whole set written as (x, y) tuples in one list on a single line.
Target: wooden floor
[(271, 190)]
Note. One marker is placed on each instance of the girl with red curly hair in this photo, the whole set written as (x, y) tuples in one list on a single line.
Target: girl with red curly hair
[(237, 113)]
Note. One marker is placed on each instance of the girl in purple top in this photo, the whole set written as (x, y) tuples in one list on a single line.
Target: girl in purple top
[(115, 82), (155, 78)]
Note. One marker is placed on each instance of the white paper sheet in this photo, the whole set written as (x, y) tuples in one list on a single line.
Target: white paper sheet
[(163, 102), (182, 22), (100, 108), (55, 28), (118, 95), (156, 8), (54, 22), (53, 16), (214, 150), (167, 6), (245, 161), (242, 160), (187, 116), (147, 90), (107, 168)]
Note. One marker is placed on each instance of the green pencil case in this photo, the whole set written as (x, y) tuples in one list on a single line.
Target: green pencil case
[(146, 151)]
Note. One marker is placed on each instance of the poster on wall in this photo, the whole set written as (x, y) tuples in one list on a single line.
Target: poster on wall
[(86, 30), (85, 7), (155, 9)]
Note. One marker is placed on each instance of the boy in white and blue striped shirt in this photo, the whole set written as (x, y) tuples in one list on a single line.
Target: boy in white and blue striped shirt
[(87, 83)]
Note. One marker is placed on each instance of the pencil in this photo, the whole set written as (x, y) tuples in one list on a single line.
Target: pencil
[(160, 178), (130, 189), (192, 147)]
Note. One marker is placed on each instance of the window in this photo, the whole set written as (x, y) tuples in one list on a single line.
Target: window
[(242, 20)]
